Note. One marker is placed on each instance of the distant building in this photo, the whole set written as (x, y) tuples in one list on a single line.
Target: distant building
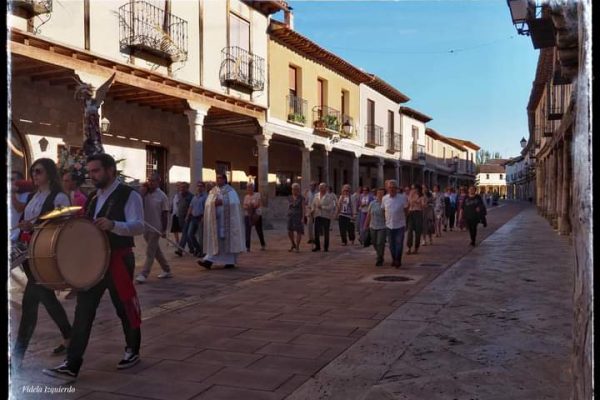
[(492, 177)]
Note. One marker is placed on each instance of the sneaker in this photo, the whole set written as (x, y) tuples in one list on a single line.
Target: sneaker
[(129, 360), (61, 349), (62, 372), (140, 278), (205, 264), (165, 275), (379, 264)]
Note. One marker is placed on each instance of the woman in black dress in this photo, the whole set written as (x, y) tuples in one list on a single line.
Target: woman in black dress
[(472, 209), (296, 217)]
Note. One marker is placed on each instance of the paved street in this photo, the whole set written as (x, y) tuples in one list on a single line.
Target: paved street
[(316, 325)]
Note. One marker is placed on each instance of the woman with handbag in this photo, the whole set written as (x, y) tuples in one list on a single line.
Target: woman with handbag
[(253, 216), (375, 225)]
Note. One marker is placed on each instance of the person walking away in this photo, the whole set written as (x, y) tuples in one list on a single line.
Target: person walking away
[(47, 196), (472, 208), (224, 236), (310, 220), (363, 205), (195, 220), (438, 209), (375, 222), (176, 227), (253, 217), (184, 198), (416, 204), (451, 208), (117, 209), (460, 220), (156, 214), (296, 217), (394, 207), (323, 208), (428, 218), (346, 216)]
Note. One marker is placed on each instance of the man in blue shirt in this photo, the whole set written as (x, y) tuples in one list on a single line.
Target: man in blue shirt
[(450, 203), (195, 220)]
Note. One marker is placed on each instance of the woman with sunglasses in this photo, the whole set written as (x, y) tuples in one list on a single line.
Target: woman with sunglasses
[(47, 196)]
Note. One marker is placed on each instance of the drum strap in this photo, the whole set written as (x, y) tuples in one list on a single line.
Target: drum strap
[(124, 286)]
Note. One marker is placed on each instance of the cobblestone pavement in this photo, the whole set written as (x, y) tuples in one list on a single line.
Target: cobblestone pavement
[(266, 329)]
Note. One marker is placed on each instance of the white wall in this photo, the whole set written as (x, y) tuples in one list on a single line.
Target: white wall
[(406, 131), (382, 106), (494, 179)]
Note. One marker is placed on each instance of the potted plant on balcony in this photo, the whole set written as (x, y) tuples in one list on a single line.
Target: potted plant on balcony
[(331, 122), (319, 123), (296, 117)]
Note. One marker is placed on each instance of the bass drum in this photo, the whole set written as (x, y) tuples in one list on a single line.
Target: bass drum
[(68, 253)]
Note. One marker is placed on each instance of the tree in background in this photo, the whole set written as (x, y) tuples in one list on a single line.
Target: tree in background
[(483, 156)]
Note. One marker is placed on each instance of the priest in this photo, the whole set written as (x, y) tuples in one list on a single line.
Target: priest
[(224, 236)]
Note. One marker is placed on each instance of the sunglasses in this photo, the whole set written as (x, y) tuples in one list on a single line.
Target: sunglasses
[(38, 171)]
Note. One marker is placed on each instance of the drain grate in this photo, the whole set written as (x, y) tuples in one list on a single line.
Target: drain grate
[(392, 278)]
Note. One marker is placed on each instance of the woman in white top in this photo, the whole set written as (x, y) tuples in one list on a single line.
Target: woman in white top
[(48, 195), (253, 216)]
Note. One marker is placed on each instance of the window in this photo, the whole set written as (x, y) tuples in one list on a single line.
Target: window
[(293, 81), (487, 176), (500, 176), (239, 32), (370, 112), (344, 102), (444, 153), (415, 133), (320, 92), (391, 122)]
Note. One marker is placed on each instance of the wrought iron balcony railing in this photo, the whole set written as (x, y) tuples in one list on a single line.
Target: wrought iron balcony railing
[(373, 135), (30, 8), (419, 152), (297, 107), (242, 70), (146, 31), (326, 118), (394, 142)]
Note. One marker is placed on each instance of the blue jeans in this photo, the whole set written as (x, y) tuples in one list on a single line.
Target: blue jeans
[(192, 230), (396, 240)]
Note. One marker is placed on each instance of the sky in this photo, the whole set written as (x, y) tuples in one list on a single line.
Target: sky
[(460, 62)]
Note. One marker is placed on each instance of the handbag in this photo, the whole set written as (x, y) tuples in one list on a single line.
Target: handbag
[(365, 238)]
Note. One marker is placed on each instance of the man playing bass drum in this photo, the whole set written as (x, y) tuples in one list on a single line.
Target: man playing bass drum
[(117, 209)]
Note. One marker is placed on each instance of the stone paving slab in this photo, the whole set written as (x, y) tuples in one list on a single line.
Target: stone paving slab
[(276, 307), (496, 325)]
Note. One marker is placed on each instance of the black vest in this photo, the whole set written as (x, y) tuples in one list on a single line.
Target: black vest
[(46, 207), (113, 209)]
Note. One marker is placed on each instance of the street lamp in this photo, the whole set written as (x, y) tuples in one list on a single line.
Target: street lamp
[(347, 127), (520, 13), (523, 143), (104, 125)]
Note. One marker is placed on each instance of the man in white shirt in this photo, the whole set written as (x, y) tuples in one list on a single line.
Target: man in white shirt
[(394, 208), (323, 209), (156, 214)]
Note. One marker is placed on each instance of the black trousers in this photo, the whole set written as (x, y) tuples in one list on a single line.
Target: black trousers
[(33, 295), (347, 230), (414, 228), (259, 230), (85, 313), (472, 227), (322, 226), (451, 218)]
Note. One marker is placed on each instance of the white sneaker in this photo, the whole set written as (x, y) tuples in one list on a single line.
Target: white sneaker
[(164, 275), (140, 278)]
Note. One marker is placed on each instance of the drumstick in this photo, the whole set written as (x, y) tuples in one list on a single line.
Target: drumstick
[(167, 239)]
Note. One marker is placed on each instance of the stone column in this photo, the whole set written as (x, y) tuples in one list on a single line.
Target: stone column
[(355, 171), (306, 170), (564, 224), (397, 173), (380, 173), (559, 182), (326, 167), (196, 122), (262, 142)]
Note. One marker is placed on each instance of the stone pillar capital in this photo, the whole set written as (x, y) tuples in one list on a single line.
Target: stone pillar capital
[(357, 154), (263, 140), (328, 149), (196, 116), (308, 145)]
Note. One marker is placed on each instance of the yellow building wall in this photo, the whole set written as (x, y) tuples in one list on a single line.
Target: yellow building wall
[(280, 58)]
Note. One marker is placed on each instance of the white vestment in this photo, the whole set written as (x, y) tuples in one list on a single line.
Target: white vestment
[(224, 236)]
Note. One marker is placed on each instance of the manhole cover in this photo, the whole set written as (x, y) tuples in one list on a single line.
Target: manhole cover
[(392, 278), (431, 265)]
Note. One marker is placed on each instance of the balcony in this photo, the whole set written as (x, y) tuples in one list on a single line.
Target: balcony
[(242, 70), (549, 127), (30, 8), (373, 135), (147, 32), (394, 142), (419, 152), (326, 120), (297, 107)]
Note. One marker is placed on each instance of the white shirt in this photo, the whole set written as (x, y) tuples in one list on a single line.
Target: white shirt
[(393, 208), (34, 207), (155, 203), (252, 200), (134, 211)]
